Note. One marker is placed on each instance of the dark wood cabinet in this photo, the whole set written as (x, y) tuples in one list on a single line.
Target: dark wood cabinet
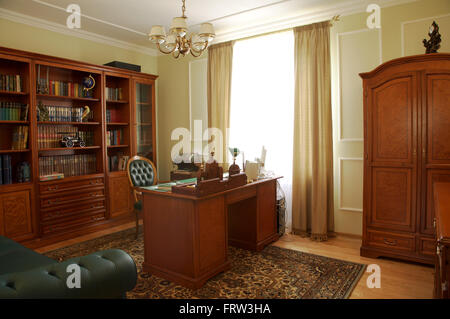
[(406, 151)]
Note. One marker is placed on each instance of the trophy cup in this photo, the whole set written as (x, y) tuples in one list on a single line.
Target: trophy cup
[(234, 168)]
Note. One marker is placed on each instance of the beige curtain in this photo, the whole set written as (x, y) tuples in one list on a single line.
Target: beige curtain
[(220, 59), (312, 186)]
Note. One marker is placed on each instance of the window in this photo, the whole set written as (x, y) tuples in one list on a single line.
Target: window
[(262, 103)]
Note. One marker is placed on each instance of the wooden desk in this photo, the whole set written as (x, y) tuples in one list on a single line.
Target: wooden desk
[(186, 238), (442, 224)]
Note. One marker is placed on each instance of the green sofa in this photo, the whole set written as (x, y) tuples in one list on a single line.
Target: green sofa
[(27, 274)]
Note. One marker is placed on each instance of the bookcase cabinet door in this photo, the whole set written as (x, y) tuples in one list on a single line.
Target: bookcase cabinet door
[(119, 195), (15, 215)]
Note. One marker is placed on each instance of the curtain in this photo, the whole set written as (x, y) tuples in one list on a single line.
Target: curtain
[(220, 58), (312, 187)]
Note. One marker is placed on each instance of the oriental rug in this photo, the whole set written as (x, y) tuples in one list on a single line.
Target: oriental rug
[(272, 273)]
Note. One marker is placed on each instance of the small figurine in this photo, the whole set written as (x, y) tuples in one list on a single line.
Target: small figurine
[(86, 112), (433, 44), (71, 141)]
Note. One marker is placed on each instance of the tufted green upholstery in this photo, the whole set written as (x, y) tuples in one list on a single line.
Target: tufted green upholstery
[(141, 173), (27, 274)]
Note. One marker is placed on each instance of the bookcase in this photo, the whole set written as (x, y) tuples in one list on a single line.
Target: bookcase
[(67, 130)]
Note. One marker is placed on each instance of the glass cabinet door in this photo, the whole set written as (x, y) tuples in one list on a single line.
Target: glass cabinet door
[(144, 120)]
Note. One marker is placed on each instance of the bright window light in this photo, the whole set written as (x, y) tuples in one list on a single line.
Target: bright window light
[(262, 103)]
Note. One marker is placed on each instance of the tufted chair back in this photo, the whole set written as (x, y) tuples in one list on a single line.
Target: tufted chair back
[(141, 172)]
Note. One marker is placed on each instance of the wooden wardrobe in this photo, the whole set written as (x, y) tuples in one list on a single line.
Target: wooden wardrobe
[(406, 151)]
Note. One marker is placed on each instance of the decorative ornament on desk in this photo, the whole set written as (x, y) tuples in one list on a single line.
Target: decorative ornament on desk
[(433, 44), (234, 168)]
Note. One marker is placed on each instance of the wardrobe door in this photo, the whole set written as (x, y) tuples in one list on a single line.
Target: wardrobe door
[(435, 141), (392, 148)]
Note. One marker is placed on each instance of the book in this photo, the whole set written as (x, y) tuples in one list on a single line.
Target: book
[(6, 168), (51, 177)]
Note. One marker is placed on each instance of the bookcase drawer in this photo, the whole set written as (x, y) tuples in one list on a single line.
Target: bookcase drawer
[(51, 228), (72, 185), (71, 212), (75, 197)]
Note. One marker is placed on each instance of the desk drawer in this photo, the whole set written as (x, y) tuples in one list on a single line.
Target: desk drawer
[(51, 228), (68, 186), (395, 241), (241, 194), (72, 211), (75, 197)]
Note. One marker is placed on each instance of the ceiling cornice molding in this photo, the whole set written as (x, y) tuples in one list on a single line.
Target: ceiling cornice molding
[(86, 35), (344, 9)]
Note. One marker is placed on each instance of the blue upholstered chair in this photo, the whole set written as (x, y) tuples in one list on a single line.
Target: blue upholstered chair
[(141, 172)]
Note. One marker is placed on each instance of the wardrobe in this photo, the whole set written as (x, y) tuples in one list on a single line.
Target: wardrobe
[(406, 151)]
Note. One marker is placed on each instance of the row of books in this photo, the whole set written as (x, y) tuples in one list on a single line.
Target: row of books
[(114, 137), (13, 111), (51, 136), (66, 114), (112, 116), (68, 165), (114, 94), (60, 88), (10, 83), (19, 138), (117, 162), (5, 169)]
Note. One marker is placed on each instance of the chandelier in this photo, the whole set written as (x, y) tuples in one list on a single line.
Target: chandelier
[(178, 42)]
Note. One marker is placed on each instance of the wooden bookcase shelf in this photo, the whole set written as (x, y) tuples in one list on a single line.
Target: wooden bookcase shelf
[(15, 122), (67, 123), (14, 151), (118, 101), (117, 124), (86, 148), (49, 117), (67, 98), (13, 93)]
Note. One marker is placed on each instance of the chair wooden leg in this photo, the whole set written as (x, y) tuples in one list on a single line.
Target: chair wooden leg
[(137, 222)]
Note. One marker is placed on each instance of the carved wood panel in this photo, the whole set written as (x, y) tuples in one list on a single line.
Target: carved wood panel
[(392, 120), (392, 199), (119, 195), (438, 109), (16, 214)]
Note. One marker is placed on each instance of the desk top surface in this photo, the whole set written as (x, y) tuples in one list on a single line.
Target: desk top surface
[(165, 189), (442, 210)]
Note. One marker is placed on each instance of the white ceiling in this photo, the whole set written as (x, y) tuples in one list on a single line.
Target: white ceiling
[(129, 21)]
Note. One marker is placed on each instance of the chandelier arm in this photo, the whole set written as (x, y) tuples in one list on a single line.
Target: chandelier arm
[(199, 52), (166, 52)]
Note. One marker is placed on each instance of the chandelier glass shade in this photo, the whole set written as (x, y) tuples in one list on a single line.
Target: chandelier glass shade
[(179, 41)]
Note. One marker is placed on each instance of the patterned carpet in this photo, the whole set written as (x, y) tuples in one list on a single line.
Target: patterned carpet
[(272, 273)]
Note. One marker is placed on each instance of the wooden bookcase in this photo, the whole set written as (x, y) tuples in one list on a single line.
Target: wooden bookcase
[(93, 193)]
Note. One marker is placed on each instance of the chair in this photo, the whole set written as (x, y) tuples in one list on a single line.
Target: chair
[(141, 172)]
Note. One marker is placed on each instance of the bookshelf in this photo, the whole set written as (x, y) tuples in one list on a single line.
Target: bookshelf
[(14, 121), (44, 102)]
